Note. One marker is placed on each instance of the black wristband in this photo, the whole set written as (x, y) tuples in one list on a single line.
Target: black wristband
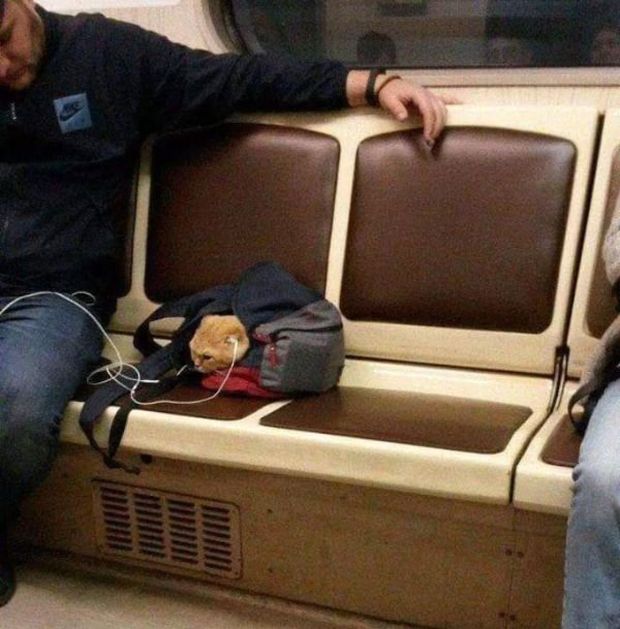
[(371, 97)]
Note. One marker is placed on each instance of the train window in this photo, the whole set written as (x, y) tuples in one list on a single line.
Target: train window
[(433, 33)]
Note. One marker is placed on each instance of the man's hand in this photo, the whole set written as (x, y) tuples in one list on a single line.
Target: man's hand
[(400, 98)]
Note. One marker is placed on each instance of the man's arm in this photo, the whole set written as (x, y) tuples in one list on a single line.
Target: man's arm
[(399, 97), (183, 87)]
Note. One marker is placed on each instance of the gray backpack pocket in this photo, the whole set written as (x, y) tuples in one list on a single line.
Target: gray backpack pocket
[(304, 352)]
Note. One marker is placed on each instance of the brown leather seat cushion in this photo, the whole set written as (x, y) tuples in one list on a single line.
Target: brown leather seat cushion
[(468, 236), (402, 417), (225, 198), (563, 445)]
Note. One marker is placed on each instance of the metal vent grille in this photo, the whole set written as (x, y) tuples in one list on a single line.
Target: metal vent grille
[(172, 529)]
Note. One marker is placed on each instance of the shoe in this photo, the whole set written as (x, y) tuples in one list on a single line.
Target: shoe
[(7, 574)]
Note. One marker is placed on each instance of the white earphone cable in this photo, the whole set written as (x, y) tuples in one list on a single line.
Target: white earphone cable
[(115, 370)]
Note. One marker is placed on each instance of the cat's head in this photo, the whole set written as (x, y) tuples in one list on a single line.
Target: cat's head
[(217, 340)]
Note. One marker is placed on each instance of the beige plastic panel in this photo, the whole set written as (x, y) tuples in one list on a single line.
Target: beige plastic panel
[(351, 548), (431, 471), (538, 485), (190, 22), (591, 287), (530, 353)]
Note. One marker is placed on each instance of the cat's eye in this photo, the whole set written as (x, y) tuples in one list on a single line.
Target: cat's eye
[(206, 356)]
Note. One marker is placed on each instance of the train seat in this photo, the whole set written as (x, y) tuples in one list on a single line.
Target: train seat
[(563, 446), (452, 270), (543, 478)]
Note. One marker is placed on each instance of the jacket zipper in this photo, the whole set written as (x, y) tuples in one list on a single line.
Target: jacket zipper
[(4, 227), (273, 355)]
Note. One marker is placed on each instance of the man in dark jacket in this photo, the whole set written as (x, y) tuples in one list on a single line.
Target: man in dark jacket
[(77, 97)]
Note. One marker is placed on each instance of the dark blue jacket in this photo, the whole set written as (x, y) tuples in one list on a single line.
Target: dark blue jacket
[(68, 143)]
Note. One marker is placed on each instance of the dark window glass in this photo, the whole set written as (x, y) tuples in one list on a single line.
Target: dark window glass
[(434, 33)]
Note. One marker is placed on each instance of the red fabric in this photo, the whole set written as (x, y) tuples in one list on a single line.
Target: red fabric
[(242, 381)]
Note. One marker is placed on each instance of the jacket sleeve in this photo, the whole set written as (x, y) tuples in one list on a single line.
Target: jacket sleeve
[(611, 247), (181, 87)]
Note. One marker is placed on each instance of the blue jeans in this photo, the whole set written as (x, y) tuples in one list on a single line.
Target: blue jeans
[(592, 581), (47, 347)]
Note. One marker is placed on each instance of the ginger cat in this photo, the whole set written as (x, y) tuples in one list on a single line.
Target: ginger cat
[(212, 346)]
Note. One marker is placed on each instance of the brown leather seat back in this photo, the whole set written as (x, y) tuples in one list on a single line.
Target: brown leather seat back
[(467, 236), (225, 198)]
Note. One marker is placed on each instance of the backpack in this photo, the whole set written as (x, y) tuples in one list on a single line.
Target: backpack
[(297, 346)]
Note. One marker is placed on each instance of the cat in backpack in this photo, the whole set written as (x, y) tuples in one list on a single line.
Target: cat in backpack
[(213, 345)]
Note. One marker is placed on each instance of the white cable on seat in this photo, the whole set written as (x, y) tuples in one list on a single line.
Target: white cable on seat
[(115, 370)]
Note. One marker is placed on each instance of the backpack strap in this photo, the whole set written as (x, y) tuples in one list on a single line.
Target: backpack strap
[(589, 393), (119, 423), (159, 360), (192, 308), (152, 367)]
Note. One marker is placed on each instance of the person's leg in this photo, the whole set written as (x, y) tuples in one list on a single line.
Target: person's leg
[(592, 579), (47, 347)]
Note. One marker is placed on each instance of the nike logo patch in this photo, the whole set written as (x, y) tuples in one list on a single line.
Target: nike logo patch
[(69, 110), (73, 113)]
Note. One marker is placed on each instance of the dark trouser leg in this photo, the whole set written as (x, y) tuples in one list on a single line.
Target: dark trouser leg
[(47, 347)]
